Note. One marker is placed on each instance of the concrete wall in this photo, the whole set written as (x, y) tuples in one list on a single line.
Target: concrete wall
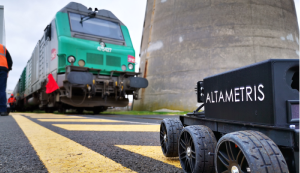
[(186, 40), (2, 25)]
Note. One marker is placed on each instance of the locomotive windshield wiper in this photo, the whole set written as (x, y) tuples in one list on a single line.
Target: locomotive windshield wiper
[(90, 15)]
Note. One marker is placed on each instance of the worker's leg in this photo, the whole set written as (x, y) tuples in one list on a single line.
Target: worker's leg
[(12, 107), (3, 100)]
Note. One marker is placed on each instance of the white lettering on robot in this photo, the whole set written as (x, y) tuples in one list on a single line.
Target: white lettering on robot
[(238, 94)]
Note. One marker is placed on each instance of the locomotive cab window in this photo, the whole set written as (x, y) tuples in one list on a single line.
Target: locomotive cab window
[(95, 26), (48, 32)]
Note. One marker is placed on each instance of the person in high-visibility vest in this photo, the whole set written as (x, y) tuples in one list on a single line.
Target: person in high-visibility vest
[(5, 67), (11, 101)]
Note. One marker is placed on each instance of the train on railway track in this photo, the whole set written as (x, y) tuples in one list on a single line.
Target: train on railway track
[(85, 60), (250, 122)]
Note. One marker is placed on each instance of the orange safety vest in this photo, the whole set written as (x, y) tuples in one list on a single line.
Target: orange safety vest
[(3, 60), (11, 100)]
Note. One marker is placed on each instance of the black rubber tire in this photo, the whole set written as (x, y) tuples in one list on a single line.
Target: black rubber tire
[(261, 153), (171, 127), (201, 141)]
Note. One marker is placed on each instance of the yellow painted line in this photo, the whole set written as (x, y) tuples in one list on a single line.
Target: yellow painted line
[(115, 128), (25, 113), (40, 114), (78, 120), (153, 152), (60, 154), (51, 117), (36, 115)]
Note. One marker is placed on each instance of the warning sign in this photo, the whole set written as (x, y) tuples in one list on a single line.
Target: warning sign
[(131, 59), (53, 54)]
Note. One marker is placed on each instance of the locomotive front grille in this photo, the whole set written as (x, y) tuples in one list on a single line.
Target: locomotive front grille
[(113, 61), (92, 58)]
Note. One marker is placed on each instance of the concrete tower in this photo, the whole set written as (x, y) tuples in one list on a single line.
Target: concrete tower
[(186, 40)]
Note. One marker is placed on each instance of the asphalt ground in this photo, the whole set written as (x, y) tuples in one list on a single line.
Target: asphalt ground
[(82, 143)]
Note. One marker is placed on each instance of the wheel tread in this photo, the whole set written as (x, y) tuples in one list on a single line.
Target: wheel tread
[(259, 147), (206, 142), (267, 156), (273, 151), (174, 127)]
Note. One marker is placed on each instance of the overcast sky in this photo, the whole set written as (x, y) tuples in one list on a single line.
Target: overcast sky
[(25, 21)]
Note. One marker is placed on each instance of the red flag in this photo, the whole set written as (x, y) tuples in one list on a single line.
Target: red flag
[(51, 85)]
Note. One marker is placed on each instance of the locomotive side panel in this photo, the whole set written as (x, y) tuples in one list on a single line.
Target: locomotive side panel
[(51, 51), (35, 64), (34, 69), (22, 85), (42, 63), (28, 80)]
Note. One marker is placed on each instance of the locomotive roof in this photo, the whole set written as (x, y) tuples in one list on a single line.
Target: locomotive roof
[(74, 6)]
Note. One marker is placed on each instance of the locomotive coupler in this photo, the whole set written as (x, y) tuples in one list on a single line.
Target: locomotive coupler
[(118, 83)]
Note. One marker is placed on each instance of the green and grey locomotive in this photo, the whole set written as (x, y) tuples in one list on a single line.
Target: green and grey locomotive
[(90, 56)]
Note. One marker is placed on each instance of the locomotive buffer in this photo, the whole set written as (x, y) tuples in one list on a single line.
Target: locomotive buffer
[(250, 122)]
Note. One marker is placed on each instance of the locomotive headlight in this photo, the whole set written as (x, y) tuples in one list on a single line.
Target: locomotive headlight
[(81, 63), (71, 59), (130, 66), (124, 67)]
